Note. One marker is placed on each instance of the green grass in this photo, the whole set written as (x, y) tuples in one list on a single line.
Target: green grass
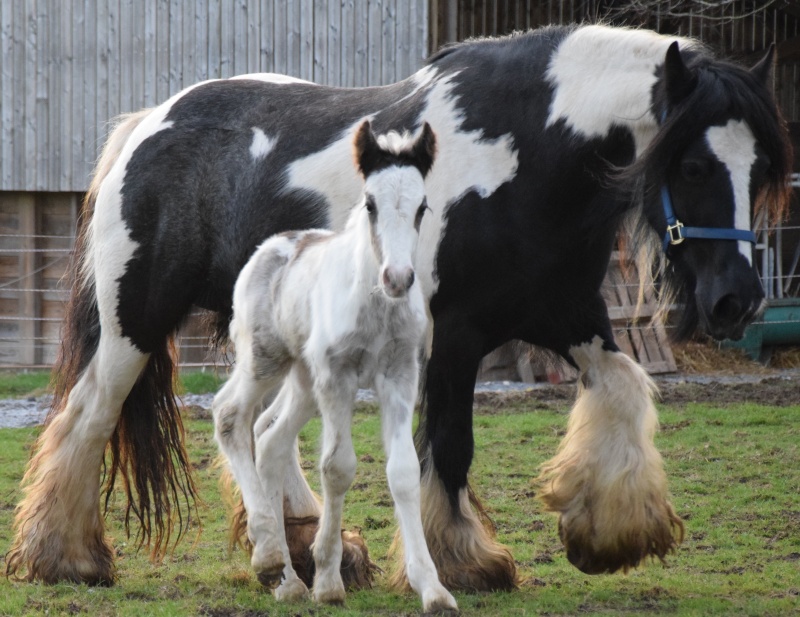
[(734, 475), (19, 384)]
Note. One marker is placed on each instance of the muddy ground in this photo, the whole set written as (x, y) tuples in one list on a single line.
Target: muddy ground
[(778, 388)]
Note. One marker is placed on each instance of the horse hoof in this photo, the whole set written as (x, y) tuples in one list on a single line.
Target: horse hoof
[(439, 602), (333, 596), (291, 591)]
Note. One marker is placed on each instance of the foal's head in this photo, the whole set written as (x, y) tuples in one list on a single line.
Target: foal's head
[(394, 167)]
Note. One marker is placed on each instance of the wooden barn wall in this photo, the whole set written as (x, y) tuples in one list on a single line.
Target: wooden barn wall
[(68, 66), (741, 30)]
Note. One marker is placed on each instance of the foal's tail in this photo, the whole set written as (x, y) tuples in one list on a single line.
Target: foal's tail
[(146, 449)]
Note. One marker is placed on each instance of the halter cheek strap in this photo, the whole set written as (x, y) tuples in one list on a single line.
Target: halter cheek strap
[(677, 232)]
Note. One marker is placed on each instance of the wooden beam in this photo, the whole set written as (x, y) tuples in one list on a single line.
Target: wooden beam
[(29, 301)]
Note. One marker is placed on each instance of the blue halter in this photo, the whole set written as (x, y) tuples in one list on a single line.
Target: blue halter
[(677, 232)]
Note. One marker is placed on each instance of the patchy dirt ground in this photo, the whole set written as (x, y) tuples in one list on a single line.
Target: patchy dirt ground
[(778, 388)]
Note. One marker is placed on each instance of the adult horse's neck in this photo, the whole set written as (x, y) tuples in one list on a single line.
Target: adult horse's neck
[(604, 78)]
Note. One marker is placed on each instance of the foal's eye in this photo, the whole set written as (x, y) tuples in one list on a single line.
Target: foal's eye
[(420, 213), (695, 170), (370, 205)]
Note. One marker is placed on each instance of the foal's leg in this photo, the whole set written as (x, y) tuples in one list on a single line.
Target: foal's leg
[(276, 448), (59, 524), (335, 394), (460, 538), (397, 395), (234, 407), (607, 481)]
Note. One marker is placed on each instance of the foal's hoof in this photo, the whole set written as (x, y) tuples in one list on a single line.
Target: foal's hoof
[(334, 595), (291, 591), (268, 567)]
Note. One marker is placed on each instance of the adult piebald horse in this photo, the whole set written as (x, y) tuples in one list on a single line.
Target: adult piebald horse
[(548, 142)]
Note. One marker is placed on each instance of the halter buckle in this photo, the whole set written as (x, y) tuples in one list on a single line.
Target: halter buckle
[(675, 233)]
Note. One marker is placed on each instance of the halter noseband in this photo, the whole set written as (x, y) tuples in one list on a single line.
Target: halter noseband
[(677, 232)]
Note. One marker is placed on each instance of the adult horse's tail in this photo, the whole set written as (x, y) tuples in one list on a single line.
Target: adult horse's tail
[(108, 397)]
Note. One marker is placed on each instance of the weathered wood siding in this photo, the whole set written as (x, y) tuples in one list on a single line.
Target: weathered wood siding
[(68, 66)]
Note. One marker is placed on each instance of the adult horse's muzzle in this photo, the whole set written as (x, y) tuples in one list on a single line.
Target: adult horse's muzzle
[(729, 296)]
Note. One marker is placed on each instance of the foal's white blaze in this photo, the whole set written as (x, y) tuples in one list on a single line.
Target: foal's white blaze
[(594, 73), (262, 145), (398, 193), (735, 146)]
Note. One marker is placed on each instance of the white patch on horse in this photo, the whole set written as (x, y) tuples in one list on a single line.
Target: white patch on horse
[(603, 77), (465, 161), (262, 145), (273, 78), (735, 146)]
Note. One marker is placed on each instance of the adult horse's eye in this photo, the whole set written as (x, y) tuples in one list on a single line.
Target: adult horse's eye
[(420, 213), (695, 170), (370, 205)]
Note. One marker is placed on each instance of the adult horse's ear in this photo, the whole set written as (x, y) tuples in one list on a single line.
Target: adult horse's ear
[(424, 150), (366, 149), (680, 81), (762, 69)]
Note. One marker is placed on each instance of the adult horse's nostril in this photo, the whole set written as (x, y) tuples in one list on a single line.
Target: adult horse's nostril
[(410, 280), (727, 309)]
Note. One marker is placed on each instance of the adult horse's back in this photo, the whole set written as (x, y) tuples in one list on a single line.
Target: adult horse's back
[(548, 142)]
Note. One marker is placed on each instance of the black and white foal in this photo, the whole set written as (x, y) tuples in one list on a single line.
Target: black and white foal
[(323, 314)]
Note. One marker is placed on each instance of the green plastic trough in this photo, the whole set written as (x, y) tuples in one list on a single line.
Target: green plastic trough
[(779, 325)]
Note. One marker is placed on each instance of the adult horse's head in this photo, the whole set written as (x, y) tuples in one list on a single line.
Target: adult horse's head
[(721, 153), (394, 167)]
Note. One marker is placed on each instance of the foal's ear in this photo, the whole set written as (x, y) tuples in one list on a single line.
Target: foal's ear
[(366, 149), (762, 69), (424, 150), (680, 81)]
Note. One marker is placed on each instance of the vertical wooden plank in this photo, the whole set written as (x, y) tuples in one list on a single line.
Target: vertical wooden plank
[(175, 49), (188, 50), (127, 62), (201, 41), (302, 46), (227, 40), (240, 34), (266, 56), (374, 46), (320, 39), (334, 56), (54, 93), (28, 298), (214, 39), (79, 89), (150, 46), (402, 39), (90, 93), (253, 35), (280, 37), (138, 61), (29, 84), (67, 112), (18, 151), (347, 34), (388, 58), (42, 97), (6, 95), (360, 72), (162, 51), (419, 33)]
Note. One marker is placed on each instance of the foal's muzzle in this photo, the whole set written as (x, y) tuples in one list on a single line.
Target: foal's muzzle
[(397, 281)]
